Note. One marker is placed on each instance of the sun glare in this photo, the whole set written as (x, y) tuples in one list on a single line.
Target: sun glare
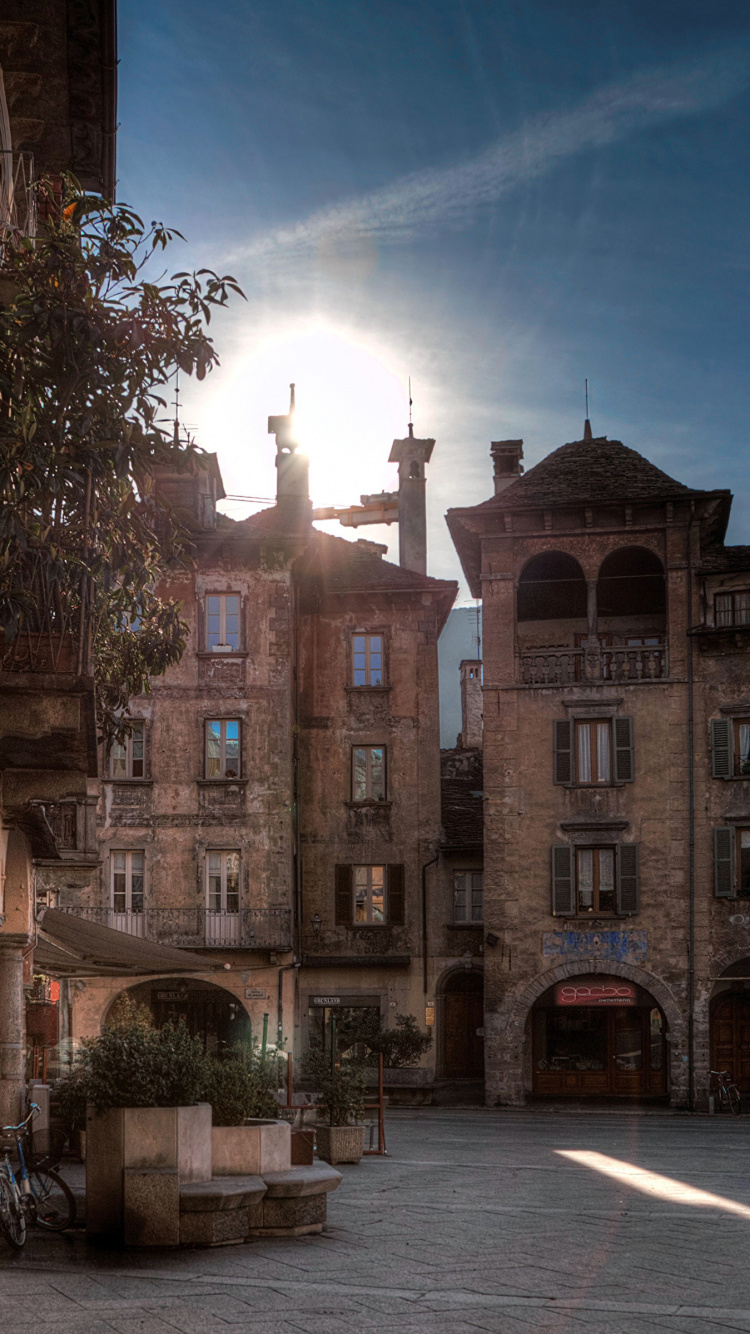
[(652, 1183)]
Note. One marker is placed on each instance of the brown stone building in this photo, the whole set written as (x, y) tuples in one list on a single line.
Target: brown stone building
[(616, 708)]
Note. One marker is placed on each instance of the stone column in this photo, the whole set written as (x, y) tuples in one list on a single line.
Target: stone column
[(591, 648), (12, 1033)]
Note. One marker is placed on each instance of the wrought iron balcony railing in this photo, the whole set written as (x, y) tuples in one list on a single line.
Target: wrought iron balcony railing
[(566, 666), (199, 928)]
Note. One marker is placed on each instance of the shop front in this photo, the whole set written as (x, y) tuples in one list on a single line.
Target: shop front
[(598, 1036)]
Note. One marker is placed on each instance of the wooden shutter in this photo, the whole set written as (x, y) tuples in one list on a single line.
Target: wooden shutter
[(563, 751), (721, 747), (724, 862), (624, 765), (344, 904), (628, 879), (395, 888), (563, 889)]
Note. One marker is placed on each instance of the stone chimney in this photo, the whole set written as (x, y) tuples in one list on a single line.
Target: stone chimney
[(470, 737), (292, 469), (411, 455), (506, 462)]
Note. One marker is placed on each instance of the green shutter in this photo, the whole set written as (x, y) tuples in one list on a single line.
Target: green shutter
[(563, 895), (344, 904), (563, 751), (624, 765), (628, 879), (395, 888), (721, 747), (724, 862)]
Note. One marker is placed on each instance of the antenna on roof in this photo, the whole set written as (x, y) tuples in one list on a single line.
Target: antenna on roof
[(587, 424), (411, 401)]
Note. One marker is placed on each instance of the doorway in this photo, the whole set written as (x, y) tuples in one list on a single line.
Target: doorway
[(730, 1037), (208, 1011), (463, 1026)]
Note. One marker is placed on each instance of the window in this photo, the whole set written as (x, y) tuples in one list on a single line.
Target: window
[(369, 895), (732, 609), (127, 882), (592, 751), (127, 758), (595, 880), (367, 660), (223, 623), (742, 747), (731, 863), (730, 747), (468, 889), (223, 871), (223, 748), (368, 773)]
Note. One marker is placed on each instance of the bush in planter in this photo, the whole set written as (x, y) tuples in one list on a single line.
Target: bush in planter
[(133, 1064), (341, 1092), (401, 1046), (243, 1084), (69, 1098)]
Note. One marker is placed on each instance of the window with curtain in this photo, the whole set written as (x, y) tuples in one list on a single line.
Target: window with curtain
[(595, 880), (742, 747), (127, 757), (594, 751)]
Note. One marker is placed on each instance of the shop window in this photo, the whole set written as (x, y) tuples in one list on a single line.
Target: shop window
[(468, 893), (222, 748), (367, 660), (572, 1040), (593, 751), (731, 609), (223, 882), (368, 773), (730, 747), (595, 881), (128, 880), (127, 758), (369, 895), (731, 862), (223, 623)]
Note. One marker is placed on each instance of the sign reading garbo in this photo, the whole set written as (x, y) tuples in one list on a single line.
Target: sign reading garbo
[(595, 993), (619, 946)]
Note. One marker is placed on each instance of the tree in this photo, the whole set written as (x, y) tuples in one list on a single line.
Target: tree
[(88, 343)]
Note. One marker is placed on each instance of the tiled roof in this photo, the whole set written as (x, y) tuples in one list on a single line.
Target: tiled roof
[(588, 470), (349, 565), (462, 811), (717, 559)]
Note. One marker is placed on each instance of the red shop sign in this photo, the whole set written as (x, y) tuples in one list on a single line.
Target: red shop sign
[(595, 993)]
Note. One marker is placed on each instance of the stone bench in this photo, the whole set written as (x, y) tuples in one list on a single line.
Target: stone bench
[(220, 1212), (295, 1203)]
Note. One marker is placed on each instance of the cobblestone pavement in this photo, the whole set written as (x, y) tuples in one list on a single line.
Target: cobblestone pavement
[(476, 1222)]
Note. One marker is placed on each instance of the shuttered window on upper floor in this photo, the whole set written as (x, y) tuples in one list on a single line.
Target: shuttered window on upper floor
[(593, 751)]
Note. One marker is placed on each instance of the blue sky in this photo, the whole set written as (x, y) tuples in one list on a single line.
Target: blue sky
[(496, 198)]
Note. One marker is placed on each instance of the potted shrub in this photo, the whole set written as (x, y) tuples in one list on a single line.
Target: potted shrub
[(340, 1090), (69, 1105), (247, 1137)]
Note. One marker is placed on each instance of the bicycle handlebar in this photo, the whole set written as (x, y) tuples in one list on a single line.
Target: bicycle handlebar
[(23, 1124)]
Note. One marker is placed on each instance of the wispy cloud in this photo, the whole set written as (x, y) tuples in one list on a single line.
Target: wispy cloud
[(426, 198)]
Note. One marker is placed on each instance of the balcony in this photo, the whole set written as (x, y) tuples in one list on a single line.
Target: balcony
[(567, 666), (199, 928)]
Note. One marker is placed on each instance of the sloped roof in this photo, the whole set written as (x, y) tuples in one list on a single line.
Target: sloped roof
[(718, 559), (461, 799), (348, 565), (588, 470)]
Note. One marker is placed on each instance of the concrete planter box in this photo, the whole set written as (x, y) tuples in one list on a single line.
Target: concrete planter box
[(123, 1139), (340, 1144), (251, 1150)]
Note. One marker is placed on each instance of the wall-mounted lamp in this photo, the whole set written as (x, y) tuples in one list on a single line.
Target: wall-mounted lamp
[(492, 939), (316, 923)]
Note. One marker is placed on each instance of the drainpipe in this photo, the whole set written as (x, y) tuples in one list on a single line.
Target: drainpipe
[(691, 822), (425, 869)]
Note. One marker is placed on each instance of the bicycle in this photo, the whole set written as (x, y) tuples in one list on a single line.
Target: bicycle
[(729, 1094), (35, 1193)]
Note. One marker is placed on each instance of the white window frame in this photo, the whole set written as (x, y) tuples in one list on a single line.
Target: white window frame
[(222, 645), (363, 877), (464, 902), (368, 669), (367, 795), (126, 751), (217, 863), (595, 910), (222, 724), (594, 749), (130, 864)]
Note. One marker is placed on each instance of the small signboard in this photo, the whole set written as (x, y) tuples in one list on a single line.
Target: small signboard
[(595, 993), (429, 1014), (327, 1001), (174, 995), (256, 993)]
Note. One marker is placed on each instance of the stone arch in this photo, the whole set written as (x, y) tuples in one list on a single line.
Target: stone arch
[(551, 586), (197, 988), (631, 582), (508, 1025)]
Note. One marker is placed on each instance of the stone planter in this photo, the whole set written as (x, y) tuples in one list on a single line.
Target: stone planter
[(129, 1139), (340, 1144), (253, 1149)]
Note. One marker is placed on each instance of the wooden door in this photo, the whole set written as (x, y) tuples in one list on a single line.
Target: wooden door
[(463, 1014), (730, 1037)]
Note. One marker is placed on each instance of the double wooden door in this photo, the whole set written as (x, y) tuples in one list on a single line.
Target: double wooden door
[(730, 1037)]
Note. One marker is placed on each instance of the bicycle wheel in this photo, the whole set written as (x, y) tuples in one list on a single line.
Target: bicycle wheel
[(734, 1099), (53, 1199), (12, 1215)]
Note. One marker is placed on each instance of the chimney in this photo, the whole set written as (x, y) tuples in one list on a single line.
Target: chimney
[(411, 455), (506, 462), (292, 482), (470, 737)]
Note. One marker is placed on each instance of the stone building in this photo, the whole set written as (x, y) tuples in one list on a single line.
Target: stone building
[(616, 777)]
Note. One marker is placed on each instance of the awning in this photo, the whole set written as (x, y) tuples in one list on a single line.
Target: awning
[(71, 946)]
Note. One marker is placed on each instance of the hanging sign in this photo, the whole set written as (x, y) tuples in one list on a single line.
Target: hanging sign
[(595, 993)]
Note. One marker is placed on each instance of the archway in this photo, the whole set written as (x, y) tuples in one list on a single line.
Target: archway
[(631, 583), (461, 996), (552, 587), (210, 1011)]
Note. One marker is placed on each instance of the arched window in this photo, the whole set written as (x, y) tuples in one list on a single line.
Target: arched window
[(631, 583), (552, 587)]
